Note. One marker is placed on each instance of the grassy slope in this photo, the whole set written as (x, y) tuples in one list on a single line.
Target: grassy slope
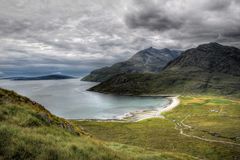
[(214, 118), (172, 82), (28, 131)]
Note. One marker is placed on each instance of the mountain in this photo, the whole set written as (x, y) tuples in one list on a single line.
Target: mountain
[(211, 57), (210, 69), (46, 77), (149, 60)]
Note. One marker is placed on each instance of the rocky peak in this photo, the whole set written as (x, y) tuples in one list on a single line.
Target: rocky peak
[(150, 60), (211, 57)]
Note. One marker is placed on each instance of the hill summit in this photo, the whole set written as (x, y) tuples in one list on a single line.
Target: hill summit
[(150, 60), (211, 57)]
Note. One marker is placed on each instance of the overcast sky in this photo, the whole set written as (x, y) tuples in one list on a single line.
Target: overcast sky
[(73, 36)]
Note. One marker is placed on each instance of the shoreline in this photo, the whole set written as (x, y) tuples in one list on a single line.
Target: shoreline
[(174, 102), (142, 114)]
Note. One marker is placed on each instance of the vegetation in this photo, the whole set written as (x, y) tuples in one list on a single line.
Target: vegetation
[(172, 82), (205, 127), (28, 131)]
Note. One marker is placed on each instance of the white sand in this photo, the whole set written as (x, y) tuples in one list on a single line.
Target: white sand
[(174, 103), (146, 114)]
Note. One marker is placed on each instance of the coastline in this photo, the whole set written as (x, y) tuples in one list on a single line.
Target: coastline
[(136, 116), (142, 114)]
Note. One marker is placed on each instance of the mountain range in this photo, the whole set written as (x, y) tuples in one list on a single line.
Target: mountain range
[(149, 60), (209, 68)]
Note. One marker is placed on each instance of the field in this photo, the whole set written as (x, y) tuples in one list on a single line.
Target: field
[(205, 127)]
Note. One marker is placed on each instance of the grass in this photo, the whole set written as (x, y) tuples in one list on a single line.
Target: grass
[(29, 131), (210, 117), (172, 82)]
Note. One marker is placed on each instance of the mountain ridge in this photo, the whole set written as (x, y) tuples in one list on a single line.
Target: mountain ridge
[(212, 57), (150, 60), (191, 72)]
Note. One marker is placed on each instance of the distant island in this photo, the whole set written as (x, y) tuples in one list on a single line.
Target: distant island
[(45, 77)]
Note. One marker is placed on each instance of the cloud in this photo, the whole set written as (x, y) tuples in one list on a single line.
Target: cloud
[(152, 16), (189, 20), (153, 21), (78, 36)]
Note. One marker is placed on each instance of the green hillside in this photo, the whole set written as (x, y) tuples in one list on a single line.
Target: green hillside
[(172, 82), (28, 131)]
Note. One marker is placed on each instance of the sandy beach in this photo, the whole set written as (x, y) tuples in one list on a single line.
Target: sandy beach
[(146, 114), (143, 114)]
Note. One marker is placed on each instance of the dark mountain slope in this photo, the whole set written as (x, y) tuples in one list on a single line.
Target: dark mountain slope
[(150, 60), (211, 57), (209, 69)]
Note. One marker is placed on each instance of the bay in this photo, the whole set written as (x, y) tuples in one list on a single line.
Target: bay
[(69, 99)]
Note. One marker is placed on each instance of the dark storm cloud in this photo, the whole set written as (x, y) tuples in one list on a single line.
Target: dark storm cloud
[(197, 21), (153, 20), (152, 16)]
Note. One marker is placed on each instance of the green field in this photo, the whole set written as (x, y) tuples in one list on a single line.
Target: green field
[(209, 125)]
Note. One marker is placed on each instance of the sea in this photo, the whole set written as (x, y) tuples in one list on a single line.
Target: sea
[(70, 99)]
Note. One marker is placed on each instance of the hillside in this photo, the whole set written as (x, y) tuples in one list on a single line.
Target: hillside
[(29, 131), (208, 69), (211, 57), (150, 60)]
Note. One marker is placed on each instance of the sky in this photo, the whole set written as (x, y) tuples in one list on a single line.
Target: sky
[(77, 36)]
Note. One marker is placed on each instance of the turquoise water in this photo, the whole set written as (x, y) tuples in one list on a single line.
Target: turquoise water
[(69, 99)]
